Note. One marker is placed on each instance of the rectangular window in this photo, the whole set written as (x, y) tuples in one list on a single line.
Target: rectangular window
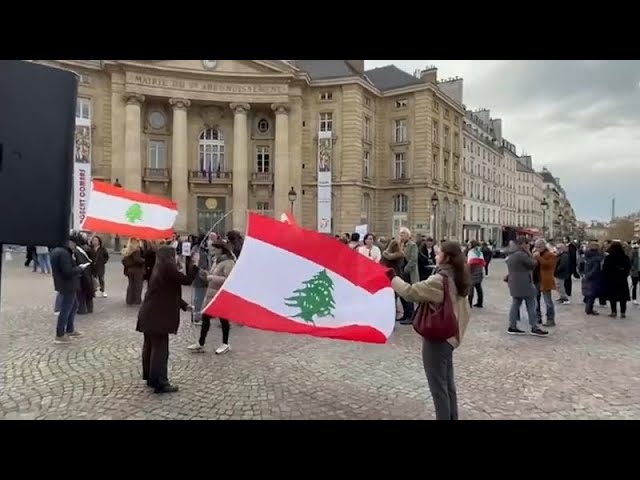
[(326, 122), (446, 169), (400, 131), (367, 101), (157, 154), (399, 166), (436, 106), (263, 208), (434, 167), (367, 129), (456, 143), (401, 103), (366, 165), (434, 133), (446, 138), (446, 113), (326, 96), (83, 108), (263, 160), (456, 173)]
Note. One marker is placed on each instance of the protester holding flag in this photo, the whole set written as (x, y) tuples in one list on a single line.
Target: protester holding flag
[(437, 356), (159, 316), (133, 263), (221, 269), (476, 262)]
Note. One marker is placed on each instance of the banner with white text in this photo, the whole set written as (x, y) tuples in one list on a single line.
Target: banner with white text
[(81, 171)]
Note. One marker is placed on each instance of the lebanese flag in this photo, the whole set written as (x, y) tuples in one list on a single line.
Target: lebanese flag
[(127, 213), (287, 217), (475, 257), (294, 280)]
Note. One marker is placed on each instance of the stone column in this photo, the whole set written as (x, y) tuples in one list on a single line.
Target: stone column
[(240, 202), (281, 183), (132, 146), (179, 162)]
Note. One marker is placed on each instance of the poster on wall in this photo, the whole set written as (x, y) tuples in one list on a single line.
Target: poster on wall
[(325, 143), (81, 171)]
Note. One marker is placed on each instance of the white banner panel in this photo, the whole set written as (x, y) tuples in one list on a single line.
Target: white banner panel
[(81, 171), (325, 143)]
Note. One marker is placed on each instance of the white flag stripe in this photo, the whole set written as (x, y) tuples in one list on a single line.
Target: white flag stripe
[(113, 209), (354, 305)]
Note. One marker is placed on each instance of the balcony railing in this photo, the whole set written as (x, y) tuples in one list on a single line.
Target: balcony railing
[(156, 175), (262, 177), (197, 176)]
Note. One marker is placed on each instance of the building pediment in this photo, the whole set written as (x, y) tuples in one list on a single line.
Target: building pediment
[(225, 67)]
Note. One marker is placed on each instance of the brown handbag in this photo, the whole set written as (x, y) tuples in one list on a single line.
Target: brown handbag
[(437, 322)]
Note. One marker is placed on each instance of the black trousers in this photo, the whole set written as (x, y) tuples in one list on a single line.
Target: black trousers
[(568, 284), (206, 325), (589, 300), (634, 287), (486, 267), (155, 359), (134, 288), (478, 288)]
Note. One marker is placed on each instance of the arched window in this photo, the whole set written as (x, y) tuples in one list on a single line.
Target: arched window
[(400, 216), (211, 151)]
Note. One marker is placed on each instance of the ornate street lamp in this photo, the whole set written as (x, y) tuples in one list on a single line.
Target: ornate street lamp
[(292, 197), (116, 239), (544, 204), (434, 204)]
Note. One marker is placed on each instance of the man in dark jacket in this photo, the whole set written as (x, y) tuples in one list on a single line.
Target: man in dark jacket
[(66, 280), (562, 272), (573, 266)]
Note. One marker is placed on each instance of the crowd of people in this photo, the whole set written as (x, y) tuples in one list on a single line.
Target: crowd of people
[(422, 271)]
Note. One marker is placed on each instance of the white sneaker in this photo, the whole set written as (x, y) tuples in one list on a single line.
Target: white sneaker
[(74, 334), (104, 294), (56, 313), (566, 302), (196, 348), (62, 340), (635, 302), (224, 348)]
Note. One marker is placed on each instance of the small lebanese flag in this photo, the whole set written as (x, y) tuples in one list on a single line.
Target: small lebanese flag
[(130, 214), (475, 257), (287, 217), (311, 286)]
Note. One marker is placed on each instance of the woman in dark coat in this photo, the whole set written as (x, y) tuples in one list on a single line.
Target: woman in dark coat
[(159, 316), (101, 257), (84, 254), (149, 254), (591, 269), (133, 262), (615, 272)]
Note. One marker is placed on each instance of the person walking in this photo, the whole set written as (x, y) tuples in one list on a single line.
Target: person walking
[(487, 253), (544, 281), (101, 257), (562, 272), (591, 277), (43, 259), (476, 263), (369, 249), (200, 283), (615, 271), (635, 272), (66, 281), (437, 357), (87, 292), (572, 251), (134, 269), (220, 271), (159, 316), (520, 267)]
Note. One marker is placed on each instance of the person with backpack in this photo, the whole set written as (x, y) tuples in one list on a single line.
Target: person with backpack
[(442, 318)]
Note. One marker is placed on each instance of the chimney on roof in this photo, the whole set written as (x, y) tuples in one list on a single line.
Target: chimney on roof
[(357, 65), (429, 75), (453, 88)]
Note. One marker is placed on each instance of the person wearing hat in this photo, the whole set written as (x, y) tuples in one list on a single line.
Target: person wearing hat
[(225, 260), (66, 280)]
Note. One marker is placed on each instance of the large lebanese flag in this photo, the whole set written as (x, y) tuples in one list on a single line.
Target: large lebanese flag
[(131, 214), (293, 280)]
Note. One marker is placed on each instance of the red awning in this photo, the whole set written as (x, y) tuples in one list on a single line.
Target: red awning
[(528, 231)]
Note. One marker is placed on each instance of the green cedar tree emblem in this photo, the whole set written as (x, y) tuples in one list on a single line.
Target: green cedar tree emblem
[(134, 213), (314, 299)]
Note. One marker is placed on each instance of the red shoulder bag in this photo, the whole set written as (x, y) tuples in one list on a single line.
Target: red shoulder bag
[(437, 323)]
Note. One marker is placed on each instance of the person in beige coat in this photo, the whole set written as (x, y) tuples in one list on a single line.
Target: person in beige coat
[(224, 262), (437, 357)]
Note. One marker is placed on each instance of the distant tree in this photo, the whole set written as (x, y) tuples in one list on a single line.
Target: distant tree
[(622, 230)]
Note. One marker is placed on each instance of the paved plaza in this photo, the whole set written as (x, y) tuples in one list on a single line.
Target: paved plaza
[(588, 368)]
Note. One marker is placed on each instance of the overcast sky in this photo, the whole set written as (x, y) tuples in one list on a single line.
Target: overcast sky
[(580, 119)]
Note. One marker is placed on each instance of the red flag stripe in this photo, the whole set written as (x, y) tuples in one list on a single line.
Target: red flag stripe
[(139, 197), (321, 249), (231, 306), (92, 224)]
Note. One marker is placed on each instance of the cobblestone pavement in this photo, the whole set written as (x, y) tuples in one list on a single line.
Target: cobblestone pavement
[(588, 368)]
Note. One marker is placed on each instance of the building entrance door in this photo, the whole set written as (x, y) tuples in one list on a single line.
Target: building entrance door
[(210, 211)]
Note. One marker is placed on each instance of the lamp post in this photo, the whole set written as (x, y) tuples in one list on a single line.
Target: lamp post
[(434, 204), (116, 239), (560, 217), (292, 198), (544, 206)]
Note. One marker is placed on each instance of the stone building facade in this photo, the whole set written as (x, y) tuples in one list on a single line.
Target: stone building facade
[(529, 195), (225, 137)]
